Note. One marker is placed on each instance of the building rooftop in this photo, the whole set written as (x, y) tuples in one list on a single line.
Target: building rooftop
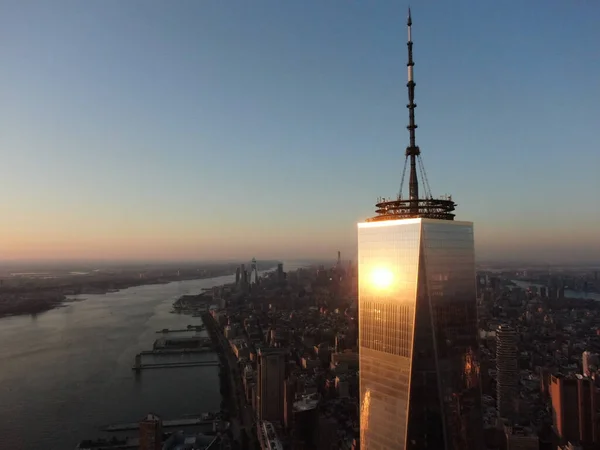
[(306, 403)]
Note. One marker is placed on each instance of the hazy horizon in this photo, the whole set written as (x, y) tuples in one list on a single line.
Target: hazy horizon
[(175, 131), (558, 261)]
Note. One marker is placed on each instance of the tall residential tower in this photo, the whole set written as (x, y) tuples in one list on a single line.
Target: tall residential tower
[(271, 379), (507, 370), (419, 359)]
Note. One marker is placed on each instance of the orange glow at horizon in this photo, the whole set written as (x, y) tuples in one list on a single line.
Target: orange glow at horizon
[(35, 241), (75, 235)]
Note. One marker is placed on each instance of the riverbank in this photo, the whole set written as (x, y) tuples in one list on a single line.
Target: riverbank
[(27, 299), (569, 294), (28, 305), (80, 358), (67, 373)]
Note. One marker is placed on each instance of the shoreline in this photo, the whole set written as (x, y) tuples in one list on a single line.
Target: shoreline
[(42, 304), (41, 299)]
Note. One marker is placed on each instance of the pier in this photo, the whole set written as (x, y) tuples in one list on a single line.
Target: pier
[(189, 328), (175, 351), (166, 424), (181, 343), (109, 444), (166, 346), (139, 366)]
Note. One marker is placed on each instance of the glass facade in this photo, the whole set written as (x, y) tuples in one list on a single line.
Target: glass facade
[(419, 363)]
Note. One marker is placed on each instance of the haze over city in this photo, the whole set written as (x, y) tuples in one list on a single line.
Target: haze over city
[(215, 130)]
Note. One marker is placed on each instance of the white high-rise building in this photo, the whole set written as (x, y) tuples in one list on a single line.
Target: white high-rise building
[(507, 370), (589, 361)]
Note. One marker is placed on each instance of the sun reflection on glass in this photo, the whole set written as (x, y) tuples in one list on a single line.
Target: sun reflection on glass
[(382, 278)]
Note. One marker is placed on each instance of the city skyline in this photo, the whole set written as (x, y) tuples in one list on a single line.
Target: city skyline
[(201, 130)]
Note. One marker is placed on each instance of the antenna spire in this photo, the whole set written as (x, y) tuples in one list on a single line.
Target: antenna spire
[(415, 206), (412, 150)]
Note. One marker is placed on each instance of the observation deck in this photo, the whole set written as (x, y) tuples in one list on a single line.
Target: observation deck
[(427, 208)]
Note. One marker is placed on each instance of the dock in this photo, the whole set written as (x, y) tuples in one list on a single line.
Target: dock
[(180, 343), (166, 424), (140, 366), (176, 351), (190, 329), (106, 444)]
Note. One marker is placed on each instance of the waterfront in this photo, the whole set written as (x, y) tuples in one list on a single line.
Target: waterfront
[(568, 292), (66, 373)]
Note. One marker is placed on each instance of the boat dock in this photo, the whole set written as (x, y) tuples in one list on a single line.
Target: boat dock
[(108, 444), (166, 424), (181, 343), (139, 366), (190, 328), (175, 351)]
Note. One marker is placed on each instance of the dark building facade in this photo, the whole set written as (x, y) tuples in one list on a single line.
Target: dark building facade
[(151, 435), (576, 410), (270, 383)]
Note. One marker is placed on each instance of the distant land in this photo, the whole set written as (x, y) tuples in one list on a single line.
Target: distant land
[(32, 265), (34, 288), (537, 265)]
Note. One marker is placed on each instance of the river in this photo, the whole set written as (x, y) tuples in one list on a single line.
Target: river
[(568, 292), (65, 373)]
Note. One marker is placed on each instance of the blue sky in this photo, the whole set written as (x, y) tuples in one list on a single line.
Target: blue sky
[(232, 128)]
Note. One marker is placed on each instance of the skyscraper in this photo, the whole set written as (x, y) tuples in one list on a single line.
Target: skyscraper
[(419, 360), (589, 362), (271, 378), (576, 409), (507, 370)]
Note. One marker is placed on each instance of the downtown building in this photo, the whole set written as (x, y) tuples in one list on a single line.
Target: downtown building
[(507, 371), (419, 356), (271, 380)]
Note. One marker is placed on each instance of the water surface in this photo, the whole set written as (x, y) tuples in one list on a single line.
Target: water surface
[(569, 293), (67, 372)]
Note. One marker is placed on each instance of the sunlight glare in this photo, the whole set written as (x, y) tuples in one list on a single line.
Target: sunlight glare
[(381, 278)]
